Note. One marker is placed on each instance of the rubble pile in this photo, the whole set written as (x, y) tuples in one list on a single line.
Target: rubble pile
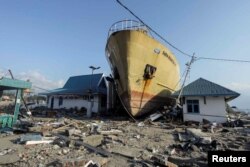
[(65, 141)]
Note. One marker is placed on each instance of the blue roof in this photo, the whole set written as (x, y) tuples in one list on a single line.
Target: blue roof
[(81, 85), (202, 87)]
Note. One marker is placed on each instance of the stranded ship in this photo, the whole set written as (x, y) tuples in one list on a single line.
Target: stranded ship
[(144, 70)]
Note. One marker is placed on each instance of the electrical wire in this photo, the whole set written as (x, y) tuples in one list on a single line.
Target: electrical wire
[(180, 79), (220, 59), (161, 37), (41, 88), (173, 46)]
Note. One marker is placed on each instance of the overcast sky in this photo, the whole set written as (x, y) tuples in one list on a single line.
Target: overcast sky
[(49, 41)]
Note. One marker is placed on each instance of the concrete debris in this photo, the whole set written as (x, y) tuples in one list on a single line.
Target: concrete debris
[(73, 131), (198, 134), (66, 139), (109, 132), (184, 137), (94, 140), (141, 124), (91, 164), (173, 152), (155, 116), (6, 151), (159, 159)]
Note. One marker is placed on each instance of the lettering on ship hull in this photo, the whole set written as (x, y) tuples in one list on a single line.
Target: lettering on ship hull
[(169, 58)]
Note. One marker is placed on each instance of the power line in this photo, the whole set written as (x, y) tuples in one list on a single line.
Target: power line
[(41, 88), (219, 59), (176, 48), (173, 46)]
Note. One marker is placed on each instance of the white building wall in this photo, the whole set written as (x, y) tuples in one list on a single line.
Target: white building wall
[(95, 107), (214, 110), (72, 103)]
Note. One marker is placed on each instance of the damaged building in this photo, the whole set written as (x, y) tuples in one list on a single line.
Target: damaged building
[(82, 92), (203, 99)]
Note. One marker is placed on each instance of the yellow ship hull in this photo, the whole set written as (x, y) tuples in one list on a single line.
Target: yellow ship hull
[(145, 71)]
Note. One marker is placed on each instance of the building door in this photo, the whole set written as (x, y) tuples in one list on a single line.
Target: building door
[(52, 103)]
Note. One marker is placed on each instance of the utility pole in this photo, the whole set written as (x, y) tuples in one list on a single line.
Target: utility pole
[(89, 111), (184, 81)]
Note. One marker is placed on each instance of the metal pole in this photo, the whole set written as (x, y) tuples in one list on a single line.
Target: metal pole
[(188, 71), (89, 112), (24, 102)]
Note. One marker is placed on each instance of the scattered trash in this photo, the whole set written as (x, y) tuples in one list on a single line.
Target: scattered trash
[(173, 152), (6, 151), (30, 137), (155, 116), (91, 164), (141, 124)]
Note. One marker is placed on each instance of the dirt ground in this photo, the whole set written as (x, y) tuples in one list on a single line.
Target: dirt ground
[(116, 142)]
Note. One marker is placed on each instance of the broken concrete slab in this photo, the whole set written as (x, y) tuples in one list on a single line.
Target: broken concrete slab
[(126, 151), (198, 134), (184, 137), (73, 131), (94, 140), (109, 132)]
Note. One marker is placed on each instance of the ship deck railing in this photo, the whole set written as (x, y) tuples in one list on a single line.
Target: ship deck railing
[(128, 25)]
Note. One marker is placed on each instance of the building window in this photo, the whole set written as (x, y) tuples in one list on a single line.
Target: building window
[(193, 106), (60, 101)]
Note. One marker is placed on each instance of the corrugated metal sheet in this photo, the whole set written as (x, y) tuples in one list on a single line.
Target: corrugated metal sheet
[(81, 85), (202, 87)]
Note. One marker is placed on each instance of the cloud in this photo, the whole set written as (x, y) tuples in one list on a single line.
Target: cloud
[(38, 80), (239, 86), (242, 101)]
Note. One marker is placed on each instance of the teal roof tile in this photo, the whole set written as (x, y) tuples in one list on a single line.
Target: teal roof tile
[(80, 85), (202, 87)]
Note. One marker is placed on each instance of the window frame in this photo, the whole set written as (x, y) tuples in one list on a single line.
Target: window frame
[(194, 105), (60, 101)]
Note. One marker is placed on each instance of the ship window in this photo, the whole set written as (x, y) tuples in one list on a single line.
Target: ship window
[(149, 71), (193, 106)]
